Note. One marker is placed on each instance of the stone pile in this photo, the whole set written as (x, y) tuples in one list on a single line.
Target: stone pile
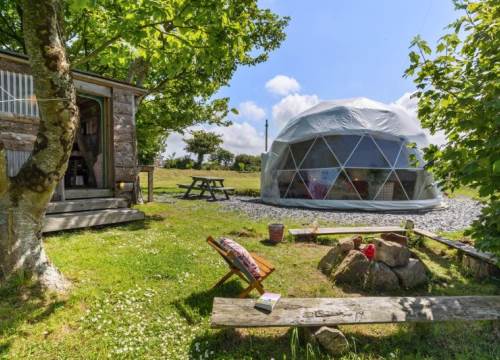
[(392, 267)]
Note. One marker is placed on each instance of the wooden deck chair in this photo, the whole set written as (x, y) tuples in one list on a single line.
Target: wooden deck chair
[(236, 267)]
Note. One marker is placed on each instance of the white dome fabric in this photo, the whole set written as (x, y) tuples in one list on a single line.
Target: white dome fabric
[(349, 154)]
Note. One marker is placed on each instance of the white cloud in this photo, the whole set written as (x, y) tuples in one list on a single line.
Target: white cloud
[(239, 138), (410, 104), (282, 85), (251, 111), (292, 105)]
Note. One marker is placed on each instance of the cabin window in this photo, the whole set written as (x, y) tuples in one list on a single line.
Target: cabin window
[(17, 95)]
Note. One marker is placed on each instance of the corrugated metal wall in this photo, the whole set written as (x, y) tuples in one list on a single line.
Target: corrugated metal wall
[(16, 159)]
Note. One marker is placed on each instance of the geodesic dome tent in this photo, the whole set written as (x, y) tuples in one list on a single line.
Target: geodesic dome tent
[(349, 154)]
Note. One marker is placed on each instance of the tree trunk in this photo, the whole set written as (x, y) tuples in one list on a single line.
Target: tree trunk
[(199, 161), (24, 198)]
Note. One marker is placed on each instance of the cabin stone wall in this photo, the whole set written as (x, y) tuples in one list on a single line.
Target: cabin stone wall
[(124, 141)]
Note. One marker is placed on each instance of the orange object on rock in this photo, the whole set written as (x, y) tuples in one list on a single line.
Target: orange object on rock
[(369, 251)]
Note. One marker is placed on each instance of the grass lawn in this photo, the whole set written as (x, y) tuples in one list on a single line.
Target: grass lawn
[(166, 180), (142, 290)]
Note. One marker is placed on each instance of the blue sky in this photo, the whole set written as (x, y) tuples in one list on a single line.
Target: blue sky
[(334, 49)]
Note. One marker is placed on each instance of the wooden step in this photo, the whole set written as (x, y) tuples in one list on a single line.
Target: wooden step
[(86, 205), (87, 193), (83, 219), (241, 313)]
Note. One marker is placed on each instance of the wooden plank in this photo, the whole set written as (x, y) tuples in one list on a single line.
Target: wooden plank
[(86, 205), (85, 219), (466, 249), (87, 193), (360, 310), (347, 230)]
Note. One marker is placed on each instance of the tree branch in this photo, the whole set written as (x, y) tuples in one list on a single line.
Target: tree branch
[(107, 43)]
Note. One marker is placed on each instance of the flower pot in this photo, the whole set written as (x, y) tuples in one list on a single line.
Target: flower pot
[(276, 232)]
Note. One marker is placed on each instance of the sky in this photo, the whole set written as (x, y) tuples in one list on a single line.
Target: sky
[(335, 49)]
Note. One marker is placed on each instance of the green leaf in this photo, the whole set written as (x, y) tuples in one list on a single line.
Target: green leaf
[(496, 167)]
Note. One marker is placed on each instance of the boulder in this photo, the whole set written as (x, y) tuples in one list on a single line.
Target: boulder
[(332, 340), (346, 244), (380, 277), (411, 275), (357, 240), (335, 256), (352, 269), (393, 237), (391, 253)]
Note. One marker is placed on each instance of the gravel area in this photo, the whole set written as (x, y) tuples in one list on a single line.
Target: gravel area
[(458, 215)]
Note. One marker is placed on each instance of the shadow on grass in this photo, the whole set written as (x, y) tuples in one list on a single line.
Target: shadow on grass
[(199, 305), (242, 344), (22, 302), (409, 341)]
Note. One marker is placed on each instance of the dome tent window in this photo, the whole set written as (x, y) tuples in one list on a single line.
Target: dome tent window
[(349, 154)]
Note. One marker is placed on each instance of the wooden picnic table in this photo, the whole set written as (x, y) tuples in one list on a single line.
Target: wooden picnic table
[(206, 183)]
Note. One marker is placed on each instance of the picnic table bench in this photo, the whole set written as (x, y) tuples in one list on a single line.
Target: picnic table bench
[(204, 184), (313, 312)]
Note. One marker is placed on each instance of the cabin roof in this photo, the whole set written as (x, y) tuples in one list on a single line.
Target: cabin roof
[(80, 74)]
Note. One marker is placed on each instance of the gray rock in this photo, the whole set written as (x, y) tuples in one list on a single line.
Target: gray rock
[(381, 277), (352, 270), (332, 340), (399, 239), (391, 253), (335, 255), (411, 275)]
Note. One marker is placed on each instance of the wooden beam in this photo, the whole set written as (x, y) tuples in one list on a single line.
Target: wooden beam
[(88, 193), (347, 230), (86, 205), (85, 219), (466, 249), (240, 313)]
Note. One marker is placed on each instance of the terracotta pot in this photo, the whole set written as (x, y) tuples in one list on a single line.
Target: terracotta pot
[(276, 232)]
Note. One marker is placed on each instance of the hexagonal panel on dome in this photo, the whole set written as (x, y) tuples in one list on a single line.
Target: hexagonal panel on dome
[(367, 155), (342, 145), (319, 156)]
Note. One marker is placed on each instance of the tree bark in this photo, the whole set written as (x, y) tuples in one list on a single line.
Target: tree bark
[(24, 198)]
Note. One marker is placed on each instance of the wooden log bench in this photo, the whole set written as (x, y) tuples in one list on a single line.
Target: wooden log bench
[(307, 232), (317, 312), (480, 264)]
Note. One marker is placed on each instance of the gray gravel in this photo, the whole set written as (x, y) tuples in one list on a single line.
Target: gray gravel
[(458, 214)]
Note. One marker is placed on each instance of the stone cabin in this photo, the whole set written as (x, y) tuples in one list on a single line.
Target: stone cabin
[(98, 187)]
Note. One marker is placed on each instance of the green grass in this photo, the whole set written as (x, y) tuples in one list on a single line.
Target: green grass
[(166, 180), (142, 290)]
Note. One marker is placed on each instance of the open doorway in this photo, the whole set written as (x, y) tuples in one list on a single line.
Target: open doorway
[(86, 166)]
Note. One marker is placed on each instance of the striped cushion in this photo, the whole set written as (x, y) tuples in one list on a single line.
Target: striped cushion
[(242, 255)]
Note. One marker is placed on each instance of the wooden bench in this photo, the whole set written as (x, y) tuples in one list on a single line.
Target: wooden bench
[(466, 249), (346, 230), (315, 312)]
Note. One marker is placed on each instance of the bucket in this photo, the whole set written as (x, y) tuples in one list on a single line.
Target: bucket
[(276, 232)]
